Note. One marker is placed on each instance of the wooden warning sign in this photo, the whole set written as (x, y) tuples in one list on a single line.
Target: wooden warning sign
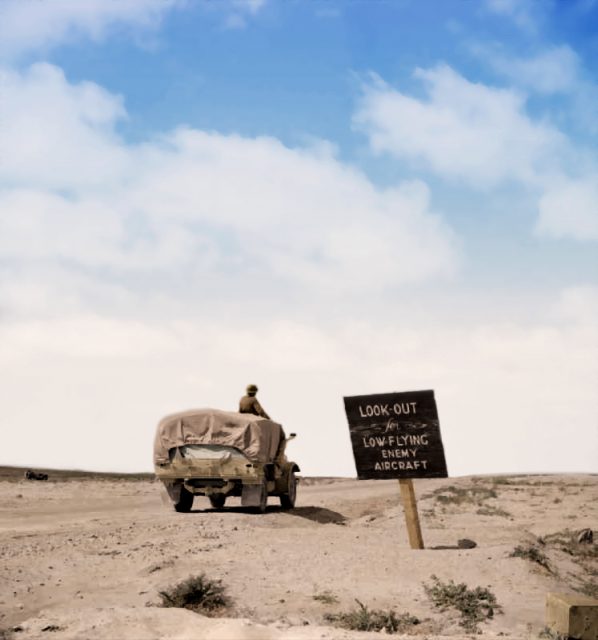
[(396, 435)]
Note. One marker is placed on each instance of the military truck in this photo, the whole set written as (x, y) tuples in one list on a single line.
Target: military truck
[(214, 453)]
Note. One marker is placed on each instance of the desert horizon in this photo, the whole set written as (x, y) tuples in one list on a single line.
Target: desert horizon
[(16, 472)]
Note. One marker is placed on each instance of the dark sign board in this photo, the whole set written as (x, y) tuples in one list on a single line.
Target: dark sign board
[(396, 435)]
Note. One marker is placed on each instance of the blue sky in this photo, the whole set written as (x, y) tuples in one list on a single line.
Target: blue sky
[(326, 198), (296, 59)]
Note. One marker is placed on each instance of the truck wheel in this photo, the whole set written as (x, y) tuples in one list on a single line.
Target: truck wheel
[(263, 498), (217, 500), (185, 501), (287, 500)]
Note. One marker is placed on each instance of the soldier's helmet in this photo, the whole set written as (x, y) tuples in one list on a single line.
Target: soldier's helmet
[(251, 389)]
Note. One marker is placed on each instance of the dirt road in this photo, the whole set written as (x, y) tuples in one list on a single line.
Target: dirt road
[(87, 558)]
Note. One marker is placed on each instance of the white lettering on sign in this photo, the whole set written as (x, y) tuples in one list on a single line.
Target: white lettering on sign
[(401, 465), (396, 435), (396, 441), (398, 408), (404, 408), (399, 453)]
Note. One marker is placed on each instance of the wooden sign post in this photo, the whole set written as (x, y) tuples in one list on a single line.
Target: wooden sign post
[(414, 530), (397, 435)]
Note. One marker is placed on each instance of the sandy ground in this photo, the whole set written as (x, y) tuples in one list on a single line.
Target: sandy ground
[(87, 558)]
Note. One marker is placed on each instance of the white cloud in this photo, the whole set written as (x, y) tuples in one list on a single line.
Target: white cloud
[(578, 304), (236, 14), (197, 201), (569, 208), (86, 337), (31, 289), (299, 212), (504, 392), (522, 12), (58, 135), (89, 232), (482, 137), (235, 21), (554, 70), (28, 25), (467, 131), (251, 6)]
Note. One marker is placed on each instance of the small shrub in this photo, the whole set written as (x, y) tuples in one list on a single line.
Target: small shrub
[(462, 495), (533, 554), (326, 597), (197, 593), (584, 554), (501, 480), (364, 619), (588, 588), (489, 510), (549, 634), (474, 605), (566, 541)]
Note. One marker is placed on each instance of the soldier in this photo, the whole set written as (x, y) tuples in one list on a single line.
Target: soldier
[(250, 404)]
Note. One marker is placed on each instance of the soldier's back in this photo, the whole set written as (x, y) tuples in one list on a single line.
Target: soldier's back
[(247, 405)]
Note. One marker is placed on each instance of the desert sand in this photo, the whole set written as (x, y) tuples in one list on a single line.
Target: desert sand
[(86, 558)]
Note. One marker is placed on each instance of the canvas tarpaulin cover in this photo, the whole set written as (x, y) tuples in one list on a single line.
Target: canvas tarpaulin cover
[(256, 437)]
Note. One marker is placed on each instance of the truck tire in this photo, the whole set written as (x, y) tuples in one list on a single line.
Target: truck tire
[(185, 501), (263, 498), (217, 500), (287, 500)]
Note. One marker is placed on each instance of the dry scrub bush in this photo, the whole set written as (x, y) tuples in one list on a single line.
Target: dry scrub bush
[(489, 510), (584, 554), (501, 480), (474, 605), (549, 634), (588, 588), (532, 553), (364, 619), (462, 495), (566, 541), (197, 593), (325, 597)]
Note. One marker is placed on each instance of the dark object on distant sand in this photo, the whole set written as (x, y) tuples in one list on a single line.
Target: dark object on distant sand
[(466, 543), (585, 536), (462, 543), (33, 475)]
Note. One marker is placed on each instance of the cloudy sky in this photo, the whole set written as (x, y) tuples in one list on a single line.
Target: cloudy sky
[(322, 197)]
